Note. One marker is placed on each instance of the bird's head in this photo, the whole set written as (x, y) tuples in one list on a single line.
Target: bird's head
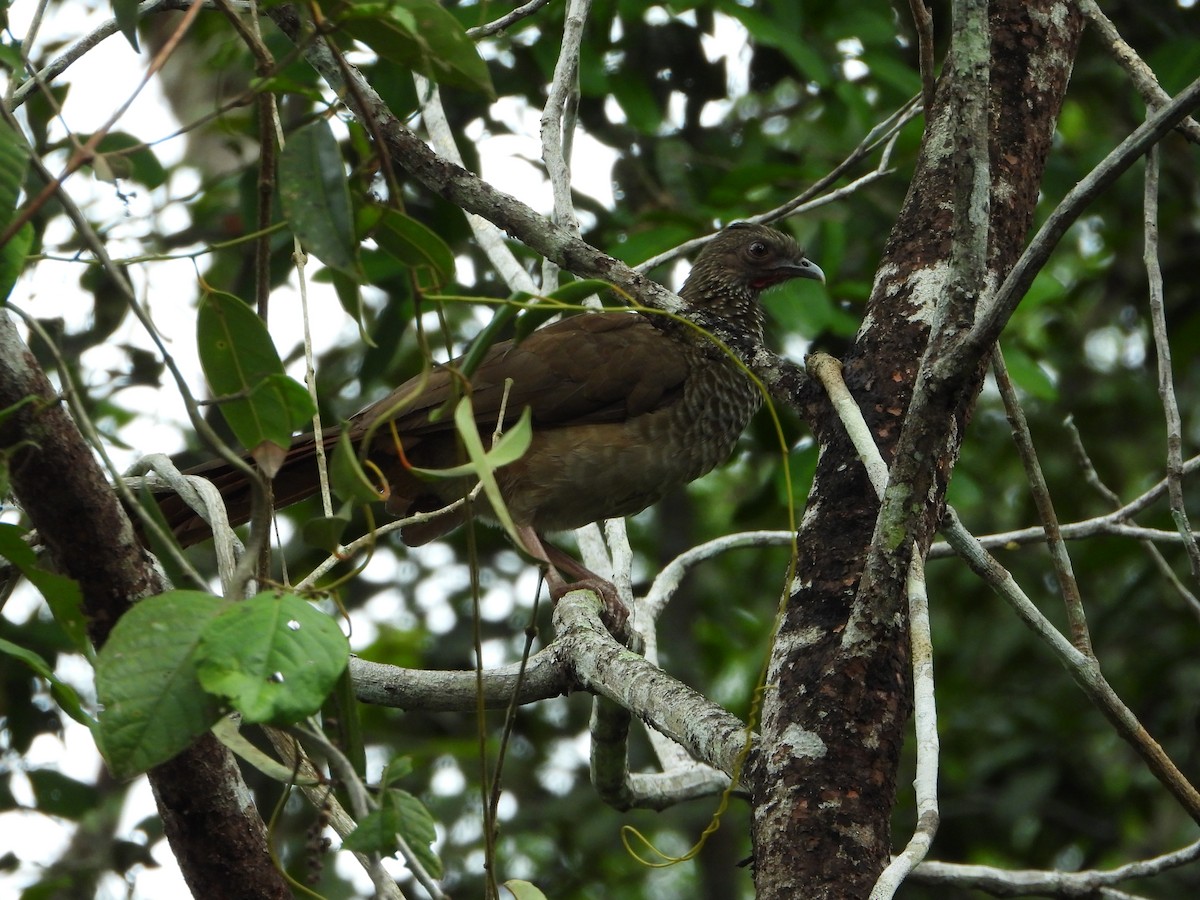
[(737, 265)]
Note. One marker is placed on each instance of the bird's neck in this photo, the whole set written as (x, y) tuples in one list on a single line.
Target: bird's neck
[(733, 306)]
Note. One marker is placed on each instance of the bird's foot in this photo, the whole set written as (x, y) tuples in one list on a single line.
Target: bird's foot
[(614, 614)]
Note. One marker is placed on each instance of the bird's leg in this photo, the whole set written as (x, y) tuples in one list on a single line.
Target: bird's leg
[(555, 562)]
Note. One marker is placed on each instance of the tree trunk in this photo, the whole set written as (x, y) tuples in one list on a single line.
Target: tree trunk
[(824, 783)]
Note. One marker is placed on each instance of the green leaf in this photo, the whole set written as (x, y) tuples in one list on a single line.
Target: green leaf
[(62, 594), (14, 163), (64, 695), (511, 446), (416, 827), (274, 657), (126, 14), (240, 361), (153, 704), (376, 833), (325, 532), (1028, 375), (316, 198), (415, 245), (346, 475), (12, 259), (483, 463), (227, 732), (399, 813), (418, 35), (398, 767), (349, 293), (60, 795), (128, 157), (523, 890)]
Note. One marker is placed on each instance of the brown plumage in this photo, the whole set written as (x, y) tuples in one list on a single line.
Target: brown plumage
[(623, 412)]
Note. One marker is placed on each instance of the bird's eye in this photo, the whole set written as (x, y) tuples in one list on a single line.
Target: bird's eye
[(758, 249)]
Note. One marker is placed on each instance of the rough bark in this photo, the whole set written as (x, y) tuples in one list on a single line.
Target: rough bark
[(214, 830), (824, 783)]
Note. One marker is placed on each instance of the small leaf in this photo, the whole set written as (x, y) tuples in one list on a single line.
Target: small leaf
[(126, 14), (376, 833), (346, 475), (316, 198), (398, 767), (14, 163), (482, 463), (399, 813), (325, 533), (523, 890), (13, 256), (64, 695), (153, 705), (60, 795), (129, 157), (273, 656), (415, 245), (62, 594), (416, 827)]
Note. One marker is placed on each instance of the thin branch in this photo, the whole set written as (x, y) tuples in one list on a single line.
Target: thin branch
[(667, 581), (312, 785), (1166, 380), (923, 20), (89, 41), (507, 20), (1143, 77), (1068, 585), (1092, 477)]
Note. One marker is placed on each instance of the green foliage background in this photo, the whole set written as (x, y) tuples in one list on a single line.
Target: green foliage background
[(1032, 776)]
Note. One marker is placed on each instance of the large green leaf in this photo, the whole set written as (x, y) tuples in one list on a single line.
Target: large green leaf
[(274, 657), (153, 704), (265, 406), (316, 198)]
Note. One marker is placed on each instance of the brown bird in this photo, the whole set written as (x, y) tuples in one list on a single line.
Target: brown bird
[(626, 407)]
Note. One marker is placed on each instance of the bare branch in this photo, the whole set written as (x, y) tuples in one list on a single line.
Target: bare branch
[(1166, 379), (1060, 559), (1142, 75), (1027, 882)]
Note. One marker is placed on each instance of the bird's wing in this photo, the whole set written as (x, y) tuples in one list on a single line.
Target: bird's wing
[(591, 368)]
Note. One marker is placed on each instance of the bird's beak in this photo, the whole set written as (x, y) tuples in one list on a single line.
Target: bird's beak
[(806, 268)]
